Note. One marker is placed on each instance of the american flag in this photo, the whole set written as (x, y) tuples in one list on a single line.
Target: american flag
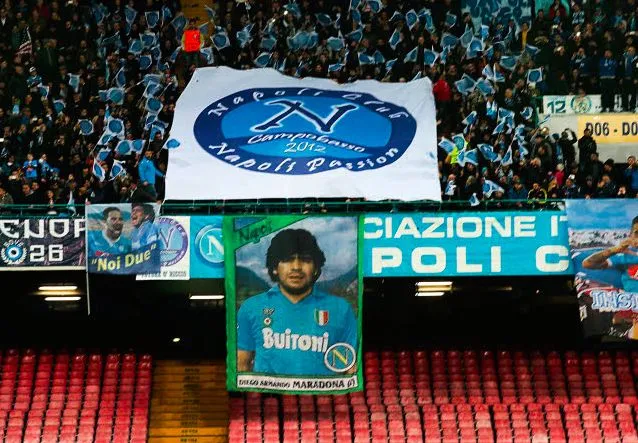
[(25, 47)]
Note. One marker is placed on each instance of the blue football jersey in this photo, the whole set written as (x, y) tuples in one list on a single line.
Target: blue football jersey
[(100, 244), (628, 264), (145, 235), (292, 338)]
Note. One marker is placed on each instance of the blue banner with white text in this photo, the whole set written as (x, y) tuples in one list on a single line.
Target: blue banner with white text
[(466, 244), (603, 237)]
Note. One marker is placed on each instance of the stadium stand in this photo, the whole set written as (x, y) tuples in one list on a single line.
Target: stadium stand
[(79, 397), (467, 396)]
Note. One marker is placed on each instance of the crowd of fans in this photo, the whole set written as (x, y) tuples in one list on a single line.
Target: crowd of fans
[(61, 61)]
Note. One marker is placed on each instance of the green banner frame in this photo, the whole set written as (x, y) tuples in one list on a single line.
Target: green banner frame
[(253, 232)]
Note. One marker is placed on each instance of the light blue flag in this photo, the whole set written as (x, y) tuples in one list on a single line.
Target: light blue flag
[(485, 32), (135, 47), (173, 57), (354, 4), (74, 82), (103, 95), (527, 113), (117, 169), (489, 187), (484, 87), (488, 152), (148, 39), (467, 37), (210, 12), (43, 90), (156, 52), (498, 77), (488, 72), (167, 14), (397, 16), (443, 55), (355, 35), (153, 105), (522, 150), (508, 62), (98, 171), (204, 28), (152, 18), (476, 45), (417, 76), (411, 18), (243, 36), (105, 138), (395, 39), (375, 6), (207, 52), (459, 141), (301, 39), (151, 78), (466, 156), (335, 67), (293, 8), (103, 154), (123, 147), (120, 78), (179, 23), (172, 144), (116, 95), (365, 59), (470, 119), (500, 128), (335, 44), (412, 55), (152, 89), (466, 85), (268, 43), (138, 145), (531, 50), (293, 44), (448, 40), (262, 59), (429, 22), (450, 19), (430, 57), (220, 40), (450, 188), (129, 14), (378, 57), (98, 14), (507, 158), (474, 200), (356, 16), (446, 145), (489, 53), (115, 127), (323, 19), (389, 64), (86, 127), (534, 75), (59, 106), (155, 130), (145, 62)]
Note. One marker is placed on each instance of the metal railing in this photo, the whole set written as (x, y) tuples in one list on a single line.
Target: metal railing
[(297, 206)]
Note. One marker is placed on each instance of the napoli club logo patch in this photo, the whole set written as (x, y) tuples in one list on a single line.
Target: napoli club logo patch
[(174, 241), (298, 131)]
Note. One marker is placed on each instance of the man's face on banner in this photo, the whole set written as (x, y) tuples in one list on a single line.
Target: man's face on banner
[(296, 274), (114, 223), (137, 216)]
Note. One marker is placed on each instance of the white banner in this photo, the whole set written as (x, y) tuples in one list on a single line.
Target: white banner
[(299, 384), (575, 104), (174, 233), (260, 134)]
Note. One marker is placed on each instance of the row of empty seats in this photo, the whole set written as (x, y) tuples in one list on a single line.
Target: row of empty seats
[(80, 397), (458, 397)]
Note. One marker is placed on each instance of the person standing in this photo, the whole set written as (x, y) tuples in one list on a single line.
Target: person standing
[(629, 79), (607, 74)]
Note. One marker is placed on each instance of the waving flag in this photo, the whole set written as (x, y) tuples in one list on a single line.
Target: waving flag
[(335, 67), (488, 152), (450, 19), (508, 62), (412, 55), (117, 169), (507, 158), (527, 113), (375, 5), (98, 171), (489, 187), (447, 145), (430, 57), (355, 35), (534, 75), (466, 156), (25, 47), (470, 119), (262, 59), (74, 82), (395, 39), (323, 19), (220, 40), (123, 147), (379, 59), (449, 40), (210, 12), (145, 62), (86, 127), (411, 18), (474, 200), (152, 18)]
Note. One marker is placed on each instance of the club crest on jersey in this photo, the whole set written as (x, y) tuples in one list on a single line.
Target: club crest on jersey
[(321, 317), (299, 131)]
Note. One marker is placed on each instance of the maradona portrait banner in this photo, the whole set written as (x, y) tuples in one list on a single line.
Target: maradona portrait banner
[(293, 304), (261, 134), (123, 238), (603, 238)]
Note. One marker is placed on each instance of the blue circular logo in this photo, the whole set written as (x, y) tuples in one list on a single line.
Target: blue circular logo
[(13, 252), (298, 131), (210, 246), (174, 241)]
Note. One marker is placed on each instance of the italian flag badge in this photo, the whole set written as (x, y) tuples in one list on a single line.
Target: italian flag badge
[(321, 317)]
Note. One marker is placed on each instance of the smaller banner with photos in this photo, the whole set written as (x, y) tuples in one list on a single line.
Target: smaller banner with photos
[(293, 304), (123, 239), (174, 242), (603, 239)]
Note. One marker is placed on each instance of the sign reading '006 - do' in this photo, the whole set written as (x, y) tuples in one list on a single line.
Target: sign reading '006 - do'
[(260, 134), (45, 244)]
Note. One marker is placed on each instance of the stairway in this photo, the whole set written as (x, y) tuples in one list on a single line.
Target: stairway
[(194, 9), (189, 402)]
